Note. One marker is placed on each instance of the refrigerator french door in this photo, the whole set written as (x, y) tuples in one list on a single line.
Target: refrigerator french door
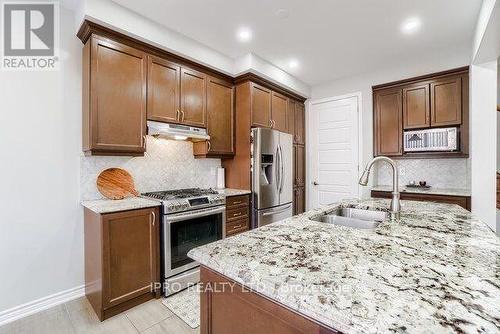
[(272, 176)]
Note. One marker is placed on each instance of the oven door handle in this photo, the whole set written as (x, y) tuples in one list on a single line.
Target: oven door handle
[(194, 214)]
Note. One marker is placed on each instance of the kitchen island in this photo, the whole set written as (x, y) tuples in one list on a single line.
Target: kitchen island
[(437, 270)]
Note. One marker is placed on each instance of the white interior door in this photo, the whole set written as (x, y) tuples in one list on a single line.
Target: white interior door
[(334, 139)]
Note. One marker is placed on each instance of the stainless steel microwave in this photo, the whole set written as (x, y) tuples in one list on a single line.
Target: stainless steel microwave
[(443, 139)]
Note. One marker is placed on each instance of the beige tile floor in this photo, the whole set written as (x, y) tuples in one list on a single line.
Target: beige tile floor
[(77, 316)]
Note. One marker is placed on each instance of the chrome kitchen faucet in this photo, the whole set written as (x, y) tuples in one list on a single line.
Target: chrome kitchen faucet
[(363, 180)]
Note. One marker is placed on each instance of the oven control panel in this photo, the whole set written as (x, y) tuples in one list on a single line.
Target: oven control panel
[(187, 204)]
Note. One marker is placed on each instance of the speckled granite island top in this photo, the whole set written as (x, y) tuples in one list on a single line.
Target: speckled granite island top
[(435, 271)]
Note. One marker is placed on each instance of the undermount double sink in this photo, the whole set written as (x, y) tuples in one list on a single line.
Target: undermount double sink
[(355, 218)]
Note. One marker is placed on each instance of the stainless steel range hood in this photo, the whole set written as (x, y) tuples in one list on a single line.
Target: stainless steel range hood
[(177, 131)]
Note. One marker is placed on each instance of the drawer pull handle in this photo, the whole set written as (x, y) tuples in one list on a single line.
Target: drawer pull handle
[(237, 214), (236, 227), (238, 202)]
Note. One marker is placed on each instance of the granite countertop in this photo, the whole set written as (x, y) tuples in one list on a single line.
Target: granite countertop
[(437, 270), (132, 203), (228, 192), (431, 190), (129, 203)]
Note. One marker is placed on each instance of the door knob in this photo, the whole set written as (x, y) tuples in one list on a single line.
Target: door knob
[(316, 183)]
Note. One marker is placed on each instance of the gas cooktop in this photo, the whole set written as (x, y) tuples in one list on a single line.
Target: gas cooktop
[(186, 199)]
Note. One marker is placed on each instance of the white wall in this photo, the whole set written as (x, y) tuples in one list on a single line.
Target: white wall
[(41, 249), (363, 83), (483, 130)]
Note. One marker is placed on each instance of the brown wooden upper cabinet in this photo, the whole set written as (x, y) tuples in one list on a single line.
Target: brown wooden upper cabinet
[(279, 112), (416, 106), (220, 120), (164, 79), (269, 108), (430, 101), (388, 130), (176, 94), (300, 127), (261, 106), (114, 98), (446, 101)]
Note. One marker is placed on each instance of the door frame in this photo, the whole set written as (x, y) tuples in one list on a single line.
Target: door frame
[(309, 138)]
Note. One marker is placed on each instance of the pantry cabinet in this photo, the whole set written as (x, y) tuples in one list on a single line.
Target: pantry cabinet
[(431, 101), (300, 132), (299, 200), (114, 98), (122, 259)]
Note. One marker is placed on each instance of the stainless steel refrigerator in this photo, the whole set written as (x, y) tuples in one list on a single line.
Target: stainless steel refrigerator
[(272, 176)]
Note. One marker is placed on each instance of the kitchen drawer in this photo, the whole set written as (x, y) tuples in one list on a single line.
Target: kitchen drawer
[(236, 201), (236, 213), (237, 226)]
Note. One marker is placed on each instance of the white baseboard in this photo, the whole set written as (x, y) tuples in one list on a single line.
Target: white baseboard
[(41, 304)]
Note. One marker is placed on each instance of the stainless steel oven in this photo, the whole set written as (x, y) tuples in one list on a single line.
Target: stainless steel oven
[(183, 232)]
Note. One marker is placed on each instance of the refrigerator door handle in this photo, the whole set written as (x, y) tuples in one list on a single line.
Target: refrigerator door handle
[(282, 172), (277, 169), (276, 212)]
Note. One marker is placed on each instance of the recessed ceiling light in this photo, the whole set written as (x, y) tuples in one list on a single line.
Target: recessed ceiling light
[(411, 25), (244, 34), (293, 63)]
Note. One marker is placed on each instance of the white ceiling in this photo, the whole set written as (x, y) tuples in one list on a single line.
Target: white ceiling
[(330, 38)]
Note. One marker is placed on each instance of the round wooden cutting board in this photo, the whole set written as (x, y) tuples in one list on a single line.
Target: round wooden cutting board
[(116, 183)]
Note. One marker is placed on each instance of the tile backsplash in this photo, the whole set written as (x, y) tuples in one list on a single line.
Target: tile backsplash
[(438, 173), (167, 164)]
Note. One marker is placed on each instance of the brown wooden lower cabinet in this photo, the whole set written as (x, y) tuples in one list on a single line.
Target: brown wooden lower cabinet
[(463, 201), (237, 214), (226, 310), (122, 254)]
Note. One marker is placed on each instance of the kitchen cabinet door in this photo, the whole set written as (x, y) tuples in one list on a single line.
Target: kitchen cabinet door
[(193, 98), (220, 120), (446, 101), (114, 94), (416, 106), (163, 90), (279, 112), (260, 106), (300, 132), (130, 255), (388, 125), (299, 201), (291, 118), (299, 171)]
